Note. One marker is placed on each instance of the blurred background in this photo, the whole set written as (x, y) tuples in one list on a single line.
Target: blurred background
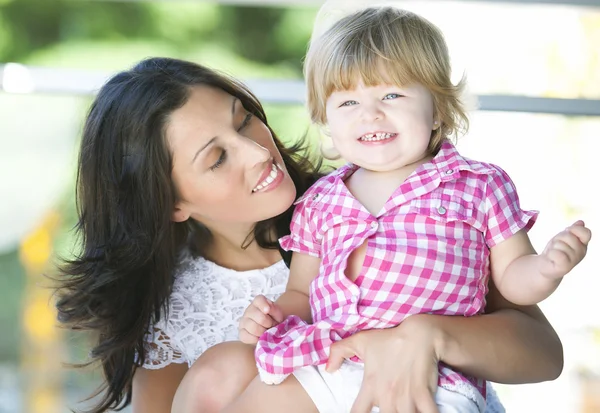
[(534, 67)]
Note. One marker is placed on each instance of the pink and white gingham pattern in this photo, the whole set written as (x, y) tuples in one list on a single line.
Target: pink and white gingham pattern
[(427, 252)]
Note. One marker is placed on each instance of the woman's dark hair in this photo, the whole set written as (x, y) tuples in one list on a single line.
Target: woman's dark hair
[(119, 283)]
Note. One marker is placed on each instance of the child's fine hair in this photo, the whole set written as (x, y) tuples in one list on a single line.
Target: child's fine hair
[(385, 45)]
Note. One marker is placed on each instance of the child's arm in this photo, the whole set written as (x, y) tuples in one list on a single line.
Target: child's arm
[(305, 243), (263, 314), (526, 278), (294, 301)]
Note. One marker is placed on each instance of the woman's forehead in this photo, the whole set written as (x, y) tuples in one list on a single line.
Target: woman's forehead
[(205, 113), (204, 103), (209, 97)]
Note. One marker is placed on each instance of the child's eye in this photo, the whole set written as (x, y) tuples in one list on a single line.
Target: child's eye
[(349, 103), (392, 96)]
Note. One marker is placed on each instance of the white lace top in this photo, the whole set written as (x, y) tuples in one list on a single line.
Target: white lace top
[(205, 306)]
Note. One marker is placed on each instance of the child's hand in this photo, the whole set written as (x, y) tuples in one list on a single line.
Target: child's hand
[(260, 316), (565, 251)]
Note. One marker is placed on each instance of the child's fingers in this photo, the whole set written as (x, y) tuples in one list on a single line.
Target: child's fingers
[(263, 303), (258, 317), (567, 245), (583, 234), (572, 240), (251, 327), (557, 256), (247, 338), (276, 313)]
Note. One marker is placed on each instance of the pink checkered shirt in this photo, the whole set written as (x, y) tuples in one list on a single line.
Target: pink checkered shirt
[(428, 252)]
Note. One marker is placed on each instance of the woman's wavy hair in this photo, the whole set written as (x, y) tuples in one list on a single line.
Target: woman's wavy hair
[(119, 282)]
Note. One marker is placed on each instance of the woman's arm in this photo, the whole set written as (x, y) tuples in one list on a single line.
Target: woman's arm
[(509, 344), (154, 390)]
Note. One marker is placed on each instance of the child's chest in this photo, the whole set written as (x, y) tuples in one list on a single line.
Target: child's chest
[(372, 194)]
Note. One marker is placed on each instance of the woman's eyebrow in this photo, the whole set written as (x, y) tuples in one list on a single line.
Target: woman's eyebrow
[(203, 148), (234, 101)]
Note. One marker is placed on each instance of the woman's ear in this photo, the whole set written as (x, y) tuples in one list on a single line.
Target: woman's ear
[(436, 124), (180, 213)]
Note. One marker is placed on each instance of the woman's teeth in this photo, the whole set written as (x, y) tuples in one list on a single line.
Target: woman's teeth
[(268, 180), (371, 137)]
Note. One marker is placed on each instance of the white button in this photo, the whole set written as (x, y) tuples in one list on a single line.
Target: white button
[(374, 225), (449, 171), (441, 210)]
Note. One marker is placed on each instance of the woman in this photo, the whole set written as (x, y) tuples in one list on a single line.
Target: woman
[(183, 191)]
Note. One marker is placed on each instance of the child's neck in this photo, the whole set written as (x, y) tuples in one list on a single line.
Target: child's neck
[(373, 188)]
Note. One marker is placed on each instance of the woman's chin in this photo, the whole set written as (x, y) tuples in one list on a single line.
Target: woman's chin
[(276, 202)]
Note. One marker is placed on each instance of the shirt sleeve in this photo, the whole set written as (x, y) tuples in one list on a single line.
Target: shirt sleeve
[(303, 232), (503, 210), (161, 350)]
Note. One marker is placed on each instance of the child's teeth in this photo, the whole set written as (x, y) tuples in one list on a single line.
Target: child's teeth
[(377, 137)]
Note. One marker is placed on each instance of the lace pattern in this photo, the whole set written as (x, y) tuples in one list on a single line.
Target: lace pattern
[(205, 306)]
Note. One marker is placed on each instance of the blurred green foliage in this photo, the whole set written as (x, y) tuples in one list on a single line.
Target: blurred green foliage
[(109, 35), (12, 279)]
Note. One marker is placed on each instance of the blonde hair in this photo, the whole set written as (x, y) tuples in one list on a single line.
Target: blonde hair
[(385, 45)]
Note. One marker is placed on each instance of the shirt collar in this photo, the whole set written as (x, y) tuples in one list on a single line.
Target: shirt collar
[(448, 163)]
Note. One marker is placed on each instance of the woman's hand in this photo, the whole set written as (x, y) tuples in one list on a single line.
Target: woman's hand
[(401, 366)]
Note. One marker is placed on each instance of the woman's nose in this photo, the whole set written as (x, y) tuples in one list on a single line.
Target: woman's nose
[(253, 152)]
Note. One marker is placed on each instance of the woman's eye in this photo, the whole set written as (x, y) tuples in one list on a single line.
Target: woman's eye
[(349, 103), (392, 96), (220, 160), (245, 122)]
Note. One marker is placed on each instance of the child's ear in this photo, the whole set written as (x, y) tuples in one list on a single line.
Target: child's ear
[(329, 152), (180, 213), (328, 149)]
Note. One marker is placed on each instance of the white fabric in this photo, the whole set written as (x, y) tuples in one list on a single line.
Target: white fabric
[(336, 392), (205, 307)]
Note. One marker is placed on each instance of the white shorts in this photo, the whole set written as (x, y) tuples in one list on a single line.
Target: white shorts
[(336, 392)]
